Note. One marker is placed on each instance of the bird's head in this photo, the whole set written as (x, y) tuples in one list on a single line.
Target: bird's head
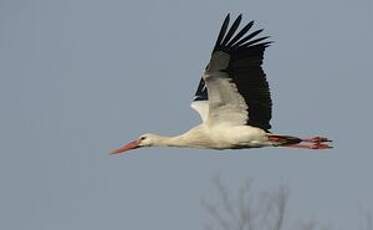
[(145, 140)]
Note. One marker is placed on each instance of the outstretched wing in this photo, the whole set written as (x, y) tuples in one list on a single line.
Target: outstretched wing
[(237, 90)]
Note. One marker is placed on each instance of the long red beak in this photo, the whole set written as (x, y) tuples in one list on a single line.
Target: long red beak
[(127, 147)]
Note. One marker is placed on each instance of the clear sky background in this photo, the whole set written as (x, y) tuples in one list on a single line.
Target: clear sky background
[(80, 77)]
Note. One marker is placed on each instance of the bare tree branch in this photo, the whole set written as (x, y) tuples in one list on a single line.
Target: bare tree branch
[(245, 212), (281, 199), (227, 204), (213, 211), (262, 211), (366, 220)]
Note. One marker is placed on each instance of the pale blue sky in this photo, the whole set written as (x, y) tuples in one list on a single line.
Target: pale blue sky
[(79, 77)]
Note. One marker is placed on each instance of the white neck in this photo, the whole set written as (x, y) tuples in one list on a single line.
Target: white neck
[(192, 138), (177, 141)]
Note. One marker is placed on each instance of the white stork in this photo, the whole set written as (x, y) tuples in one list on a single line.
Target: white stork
[(233, 100)]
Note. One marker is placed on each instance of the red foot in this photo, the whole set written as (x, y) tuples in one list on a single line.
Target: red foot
[(310, 146), (317, 140), (321, 146)]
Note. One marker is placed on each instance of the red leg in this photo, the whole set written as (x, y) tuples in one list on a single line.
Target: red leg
[(295, 142), (276, 139)]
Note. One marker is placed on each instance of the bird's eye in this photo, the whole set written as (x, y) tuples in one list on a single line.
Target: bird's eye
[(142, 138)]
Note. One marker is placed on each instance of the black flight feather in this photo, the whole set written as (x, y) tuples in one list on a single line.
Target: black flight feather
[(241, 33), (252, 42), (232, 30), (222, 31)]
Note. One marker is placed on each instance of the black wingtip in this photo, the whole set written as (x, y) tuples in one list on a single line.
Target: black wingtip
[(232, 30), (223, 30), (255, 41), (239, 17), (230, 39), (247, 38), (227, 19), (242, 32)]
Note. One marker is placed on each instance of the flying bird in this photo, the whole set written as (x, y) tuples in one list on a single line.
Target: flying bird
[(233, 100)]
